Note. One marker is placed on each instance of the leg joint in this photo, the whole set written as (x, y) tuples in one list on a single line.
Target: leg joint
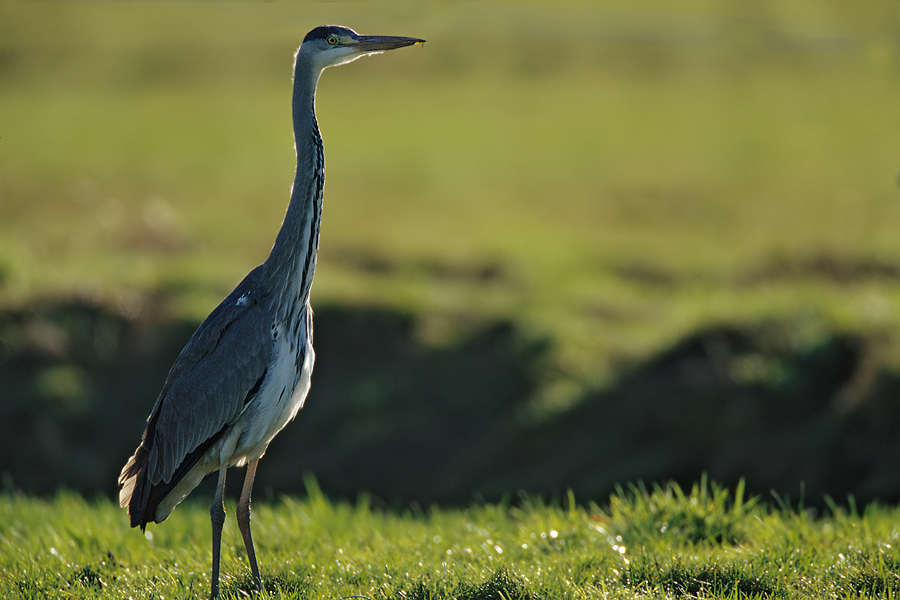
[(243, 512), (217, 513)]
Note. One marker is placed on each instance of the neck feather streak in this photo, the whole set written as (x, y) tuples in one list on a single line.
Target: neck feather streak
[(291, 264)]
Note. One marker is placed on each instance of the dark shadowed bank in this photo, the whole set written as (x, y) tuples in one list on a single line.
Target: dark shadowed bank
[(406, 421)]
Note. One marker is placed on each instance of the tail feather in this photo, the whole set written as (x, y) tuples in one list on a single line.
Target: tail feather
[(142, 496), (135, 490)]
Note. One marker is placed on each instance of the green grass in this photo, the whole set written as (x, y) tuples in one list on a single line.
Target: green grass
[(664, 542)]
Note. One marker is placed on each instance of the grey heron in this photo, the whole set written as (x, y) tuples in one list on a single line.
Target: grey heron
[(245, 372)]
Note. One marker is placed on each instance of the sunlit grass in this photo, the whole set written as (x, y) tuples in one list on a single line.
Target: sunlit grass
[(707, 542)]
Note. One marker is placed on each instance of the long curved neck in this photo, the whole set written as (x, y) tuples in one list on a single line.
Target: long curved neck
[(289, 270)]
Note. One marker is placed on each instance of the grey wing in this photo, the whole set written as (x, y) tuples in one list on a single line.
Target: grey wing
[(217, 373), (220, 369)]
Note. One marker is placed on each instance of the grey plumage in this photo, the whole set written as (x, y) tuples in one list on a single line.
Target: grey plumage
[(245, 372), (216, 375)]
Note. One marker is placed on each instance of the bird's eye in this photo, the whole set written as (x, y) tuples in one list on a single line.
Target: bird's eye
[(332, 40)]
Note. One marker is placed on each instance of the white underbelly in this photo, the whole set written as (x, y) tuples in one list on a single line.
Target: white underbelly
[(279, 398)]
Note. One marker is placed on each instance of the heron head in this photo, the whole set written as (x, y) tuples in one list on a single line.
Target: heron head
[(332, 45)]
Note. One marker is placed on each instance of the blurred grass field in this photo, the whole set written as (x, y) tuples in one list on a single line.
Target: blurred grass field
[(610, 176)]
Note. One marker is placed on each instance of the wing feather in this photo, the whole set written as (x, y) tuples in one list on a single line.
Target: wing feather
[(218, 371)]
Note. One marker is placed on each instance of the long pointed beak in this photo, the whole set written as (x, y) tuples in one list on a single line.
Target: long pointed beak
[(380, 43)]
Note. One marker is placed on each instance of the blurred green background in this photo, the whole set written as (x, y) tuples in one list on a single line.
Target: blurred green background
[(565, 244)]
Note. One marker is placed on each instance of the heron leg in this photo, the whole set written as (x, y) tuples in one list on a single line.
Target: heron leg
[(243, 519), (217, 515)]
